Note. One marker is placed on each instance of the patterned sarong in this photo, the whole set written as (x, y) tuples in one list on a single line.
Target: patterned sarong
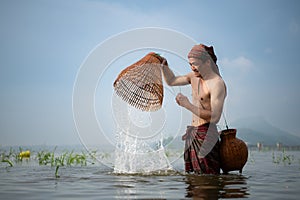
[(201, 154)]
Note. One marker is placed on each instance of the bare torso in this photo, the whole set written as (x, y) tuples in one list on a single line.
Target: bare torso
[(208, 94), (200, 98)]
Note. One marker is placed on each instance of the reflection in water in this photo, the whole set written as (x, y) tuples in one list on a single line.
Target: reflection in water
[(139, 186), (126, 187), (215, 187)]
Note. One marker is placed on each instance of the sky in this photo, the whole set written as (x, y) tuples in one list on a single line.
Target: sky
[(44, 43)]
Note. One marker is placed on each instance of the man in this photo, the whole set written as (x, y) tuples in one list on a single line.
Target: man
[(201, 154)]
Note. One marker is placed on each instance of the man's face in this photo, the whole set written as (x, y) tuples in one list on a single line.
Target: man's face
[(196, 65)]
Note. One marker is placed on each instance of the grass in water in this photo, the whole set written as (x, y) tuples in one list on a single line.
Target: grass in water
[(45, 157), (12, 156), (283, 158), (65, 159), (8, 161)]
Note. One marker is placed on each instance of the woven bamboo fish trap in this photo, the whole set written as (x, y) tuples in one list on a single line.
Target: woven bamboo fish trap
[(141, 85), (233, 151)]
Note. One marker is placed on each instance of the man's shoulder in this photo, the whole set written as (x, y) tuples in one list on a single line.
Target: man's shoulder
[(190, 76), (220, 84), (217, 82)]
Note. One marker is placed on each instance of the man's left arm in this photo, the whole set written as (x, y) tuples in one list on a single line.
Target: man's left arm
[(217, 98)]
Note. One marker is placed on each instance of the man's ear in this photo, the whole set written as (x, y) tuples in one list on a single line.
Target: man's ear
[(208, 62)]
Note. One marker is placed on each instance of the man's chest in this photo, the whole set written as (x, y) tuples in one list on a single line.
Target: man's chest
[(200, 92)]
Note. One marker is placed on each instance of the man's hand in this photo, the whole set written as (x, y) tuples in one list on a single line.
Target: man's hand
[(164, 62), (182, 100)]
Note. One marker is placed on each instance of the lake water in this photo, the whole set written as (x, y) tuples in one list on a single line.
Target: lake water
[(261, 179)]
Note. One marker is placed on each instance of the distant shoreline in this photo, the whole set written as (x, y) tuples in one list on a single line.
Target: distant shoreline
[(79, 147)]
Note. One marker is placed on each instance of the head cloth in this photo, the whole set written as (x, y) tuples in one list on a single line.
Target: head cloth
[(200, 51)]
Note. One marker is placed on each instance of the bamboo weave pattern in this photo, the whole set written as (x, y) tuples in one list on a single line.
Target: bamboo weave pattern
[(233, 151), (141, 83)]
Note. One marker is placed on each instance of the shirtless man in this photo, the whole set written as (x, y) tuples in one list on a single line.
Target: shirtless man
[(208, 95)]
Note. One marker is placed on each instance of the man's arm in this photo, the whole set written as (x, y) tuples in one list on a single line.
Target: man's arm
[(217, 97), (199, 111), (170, 77)]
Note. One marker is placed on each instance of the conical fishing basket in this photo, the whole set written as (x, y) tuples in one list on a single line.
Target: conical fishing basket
[(141, 85)]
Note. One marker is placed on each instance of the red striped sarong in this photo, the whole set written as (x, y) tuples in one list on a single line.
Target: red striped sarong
[(201, 154)]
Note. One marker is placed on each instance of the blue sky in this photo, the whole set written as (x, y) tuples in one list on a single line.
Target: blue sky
[(44, 43)]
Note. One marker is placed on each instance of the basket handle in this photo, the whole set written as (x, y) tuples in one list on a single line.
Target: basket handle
[(225, 120)]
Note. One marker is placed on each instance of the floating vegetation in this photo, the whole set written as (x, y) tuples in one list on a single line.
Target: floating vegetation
[(65, 159), (11, 156), (283, 157), (5, 158), (45, 157), (8, 161)]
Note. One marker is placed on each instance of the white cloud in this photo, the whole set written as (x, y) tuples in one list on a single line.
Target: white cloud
[(241, 64)]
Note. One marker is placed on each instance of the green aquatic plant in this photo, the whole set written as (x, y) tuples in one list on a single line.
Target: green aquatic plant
[(46, 157), (8, 161), (76, 159), (283, 158), (7, 157), (56, 171), (93, 156), (65, 159), (59, 161), (13, 156)]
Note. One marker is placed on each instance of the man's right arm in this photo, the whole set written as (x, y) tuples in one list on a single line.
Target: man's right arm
[(173, 80)]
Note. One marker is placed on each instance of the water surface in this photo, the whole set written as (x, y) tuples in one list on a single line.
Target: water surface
[(261, 179)]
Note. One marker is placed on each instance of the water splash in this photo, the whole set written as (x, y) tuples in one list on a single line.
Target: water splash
[(139, 142), (133, 155)]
